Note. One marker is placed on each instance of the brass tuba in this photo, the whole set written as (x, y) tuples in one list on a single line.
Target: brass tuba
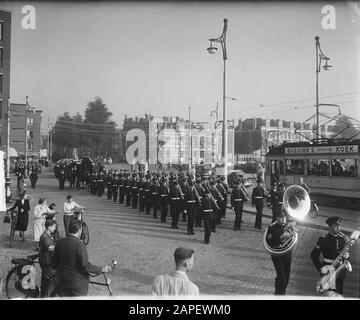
[(296, 202)]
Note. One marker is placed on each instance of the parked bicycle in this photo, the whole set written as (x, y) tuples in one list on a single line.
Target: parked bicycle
[(85, 235), (21, 281)]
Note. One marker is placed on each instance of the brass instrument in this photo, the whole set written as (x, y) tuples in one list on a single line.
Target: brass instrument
[(296, 202), (327, 281)]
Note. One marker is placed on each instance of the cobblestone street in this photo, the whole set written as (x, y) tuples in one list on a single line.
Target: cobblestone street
[(234, 263)]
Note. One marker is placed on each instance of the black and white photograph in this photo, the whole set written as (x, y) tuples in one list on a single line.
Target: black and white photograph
[(180, 150)]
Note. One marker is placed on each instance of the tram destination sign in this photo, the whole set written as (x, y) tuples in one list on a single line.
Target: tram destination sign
[(322, 149)]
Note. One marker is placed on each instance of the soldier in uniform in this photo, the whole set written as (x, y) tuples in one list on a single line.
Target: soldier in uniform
[(258, 195), (141, 188), (183, 186), (100, 184), (115, 186), (238, 197), (122, 187), (134, 191), (62, 179), (200, 190), (163, 199), (147, 194), (154, 191), (329, 247), (222, 203), (191, 198), (33, 178), (219, 199), (275, 200), (209, 208), (277, 232), (108, 181), (127, 185), (176, 199), (225, 195)]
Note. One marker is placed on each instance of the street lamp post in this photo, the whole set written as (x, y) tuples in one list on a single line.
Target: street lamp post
[(190, 137), (7, 178), (212, 50), (319, 57), (26, 118)]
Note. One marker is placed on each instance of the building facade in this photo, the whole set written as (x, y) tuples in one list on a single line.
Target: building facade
[(254, 136), (27, 121), (5, 46), (171, 140)]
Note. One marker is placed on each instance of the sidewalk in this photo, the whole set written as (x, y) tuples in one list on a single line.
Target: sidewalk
[(350, 218)]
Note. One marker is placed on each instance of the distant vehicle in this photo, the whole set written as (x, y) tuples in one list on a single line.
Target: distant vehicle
[(239, 174)]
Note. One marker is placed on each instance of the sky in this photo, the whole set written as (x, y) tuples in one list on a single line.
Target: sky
[(150, 57)]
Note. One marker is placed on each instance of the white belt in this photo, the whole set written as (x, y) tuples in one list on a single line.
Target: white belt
[(260, 198), (154, 193), (141, 189), (134, 187), (127, 186), (191, 201), (121, 185), (328, 260), (147, 189), (164, 195), (238, 199), (175, 198), (207, 210)]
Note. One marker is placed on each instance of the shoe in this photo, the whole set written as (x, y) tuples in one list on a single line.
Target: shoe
[(192, 232)]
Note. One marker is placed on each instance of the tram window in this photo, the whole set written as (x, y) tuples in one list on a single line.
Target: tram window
[(318, 167), (277, 167), (344, 168), (295, 166)]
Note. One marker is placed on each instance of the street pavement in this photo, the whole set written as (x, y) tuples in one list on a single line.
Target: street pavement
[(234, 263)]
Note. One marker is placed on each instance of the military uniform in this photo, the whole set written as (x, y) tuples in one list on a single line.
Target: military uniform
[(329, 247), (219, 199), (238, 197), (100, 185), (115, 187), (183, 187), (282, 263), (108, 180), (122, 188), (209, 208), (127, 185), (191, 198), (223, 202), (201, 191), (147, 195), (258, 195), (134, 192), (176, 199), (163, 200), (62, 179), (276, 200)]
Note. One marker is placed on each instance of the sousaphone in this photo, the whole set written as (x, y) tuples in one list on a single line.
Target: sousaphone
[(296, 202)]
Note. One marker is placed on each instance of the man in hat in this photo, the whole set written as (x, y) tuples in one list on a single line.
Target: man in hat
[(277, 232), (176, 199), (177, 283), (154, 191), (238, 197), (276, 199), (329, 246), (163, 199), (210, 208), (258, 195)]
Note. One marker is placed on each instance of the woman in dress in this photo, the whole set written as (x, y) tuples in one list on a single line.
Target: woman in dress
[(23, 207), (40, 213)]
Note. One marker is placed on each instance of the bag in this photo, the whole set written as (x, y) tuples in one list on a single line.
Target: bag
[(7, 217)]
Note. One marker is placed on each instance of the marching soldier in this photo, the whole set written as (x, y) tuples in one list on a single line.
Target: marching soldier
[(222, 203), (225, 195), (127, 185), (147, 194), (108, 181), (100, 184), (200, 190), (176, 199), (134, 191), (275, 200), (238, 197), (163, 199), (183, 187), (115, 186), (33, 178), (62, 179), (154, 196), (141, 187), (329, 247), (258, 195), (191, 198), (122, 187), (277, 232), (209, 208), (219, 199)]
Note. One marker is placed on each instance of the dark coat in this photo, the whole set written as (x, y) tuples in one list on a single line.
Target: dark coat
[(70, 260), (23, 216)]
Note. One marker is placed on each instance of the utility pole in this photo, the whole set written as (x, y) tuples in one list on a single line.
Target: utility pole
[(190, 137), (7, 178), (26, 111)]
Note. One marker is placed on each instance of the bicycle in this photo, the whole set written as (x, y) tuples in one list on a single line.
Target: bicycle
[(85, 234), (314, 213), (21, 280), (107, 282)]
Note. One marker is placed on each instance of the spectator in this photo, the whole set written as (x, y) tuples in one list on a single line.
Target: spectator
[(177, 283), (69, 206), (47, 246), (23, 207), (40, 212), (70, 260)]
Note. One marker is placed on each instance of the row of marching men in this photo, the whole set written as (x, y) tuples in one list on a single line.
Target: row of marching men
[(192, 198)]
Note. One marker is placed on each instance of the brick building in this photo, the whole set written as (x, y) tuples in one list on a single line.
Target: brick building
[(5, 46)]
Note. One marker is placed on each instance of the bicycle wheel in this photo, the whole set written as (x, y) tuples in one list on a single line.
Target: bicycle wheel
[(85, 236), (13, 287)]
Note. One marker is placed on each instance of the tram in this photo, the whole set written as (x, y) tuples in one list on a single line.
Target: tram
[(330, 169)]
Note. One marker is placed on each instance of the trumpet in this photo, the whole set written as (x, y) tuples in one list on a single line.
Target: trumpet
[(296, 202)]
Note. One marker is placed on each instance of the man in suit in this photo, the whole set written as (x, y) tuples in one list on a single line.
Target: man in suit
[(70, 260)]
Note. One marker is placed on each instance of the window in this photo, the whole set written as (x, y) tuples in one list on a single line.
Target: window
[(277, 167), (31, 134), (1, 83), (1, 108), (30, 145), (295, 166), (1, 57), (30, 121), (344, 168), (318, 167), (1, 30)]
